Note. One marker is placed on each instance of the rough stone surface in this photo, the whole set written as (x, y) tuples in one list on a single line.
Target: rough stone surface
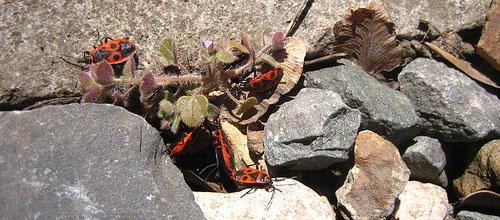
[(483, 172), (293, 201), (488, 46), (378, 177), (313, 131), (422, 201), (426, 160), (384, 110), (87, 162), (468, 215), (455, 108), (35, 33)]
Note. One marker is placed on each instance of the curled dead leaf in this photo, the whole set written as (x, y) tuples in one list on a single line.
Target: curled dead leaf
[(291, 59), (367, 35)]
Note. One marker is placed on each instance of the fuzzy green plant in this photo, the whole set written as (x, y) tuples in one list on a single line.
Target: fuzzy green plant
[(184, 98)]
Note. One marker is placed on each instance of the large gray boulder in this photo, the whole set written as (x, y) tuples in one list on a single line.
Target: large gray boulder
[(87, 161), (35, 33), (385, 111), (313, 131), (455, 108)]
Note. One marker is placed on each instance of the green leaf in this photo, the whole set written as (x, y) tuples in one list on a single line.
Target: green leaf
[(233, 45), (166, 108), (176, 121), (167, 48), (226, 57), (213, 111), (192, 109), (245, 105), (270, 60), (129, 68)]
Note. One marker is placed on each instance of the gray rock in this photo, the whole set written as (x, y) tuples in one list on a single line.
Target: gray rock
[(386, 111), (426, 160), (455, 108), (87, 161), (294, 200), (35, 33), (313, 131), (468, 215)]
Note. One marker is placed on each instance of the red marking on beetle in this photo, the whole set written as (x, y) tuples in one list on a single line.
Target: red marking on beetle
[(265, 82), (225, 150), (179, 147), (114, 51)]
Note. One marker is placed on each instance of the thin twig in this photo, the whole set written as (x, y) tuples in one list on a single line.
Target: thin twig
[(335, 56), (299, 17)]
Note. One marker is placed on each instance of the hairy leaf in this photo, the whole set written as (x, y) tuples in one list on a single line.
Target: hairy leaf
[(166, 108), (192, 109), (86, 81), (167, 48), (270, 60), (463, 65), (93, 94), (247, 42), (245, 105), (213, 111), (105, 74), (225, 57), (129, 68), (233, 45), (147, 86), (367, 35), (176, 122)]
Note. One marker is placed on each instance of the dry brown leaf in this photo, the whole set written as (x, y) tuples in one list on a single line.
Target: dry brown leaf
[(463, 65), (255, 135), (367, 35), (292, 61), (238, 142)]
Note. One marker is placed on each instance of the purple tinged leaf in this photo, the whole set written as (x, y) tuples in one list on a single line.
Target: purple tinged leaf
[(86, 80), (105, 74), (247, 42), (147, 85), (93, 93), (279, 40)]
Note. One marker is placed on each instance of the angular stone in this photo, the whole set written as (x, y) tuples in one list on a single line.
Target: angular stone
[(385, 111), (468, 215), (483, 172), (293, 201), (422, 201), (313, 131), (379, 175), (426, 160), (455, 108), (87, 162), (488, 46), (34, 39)]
